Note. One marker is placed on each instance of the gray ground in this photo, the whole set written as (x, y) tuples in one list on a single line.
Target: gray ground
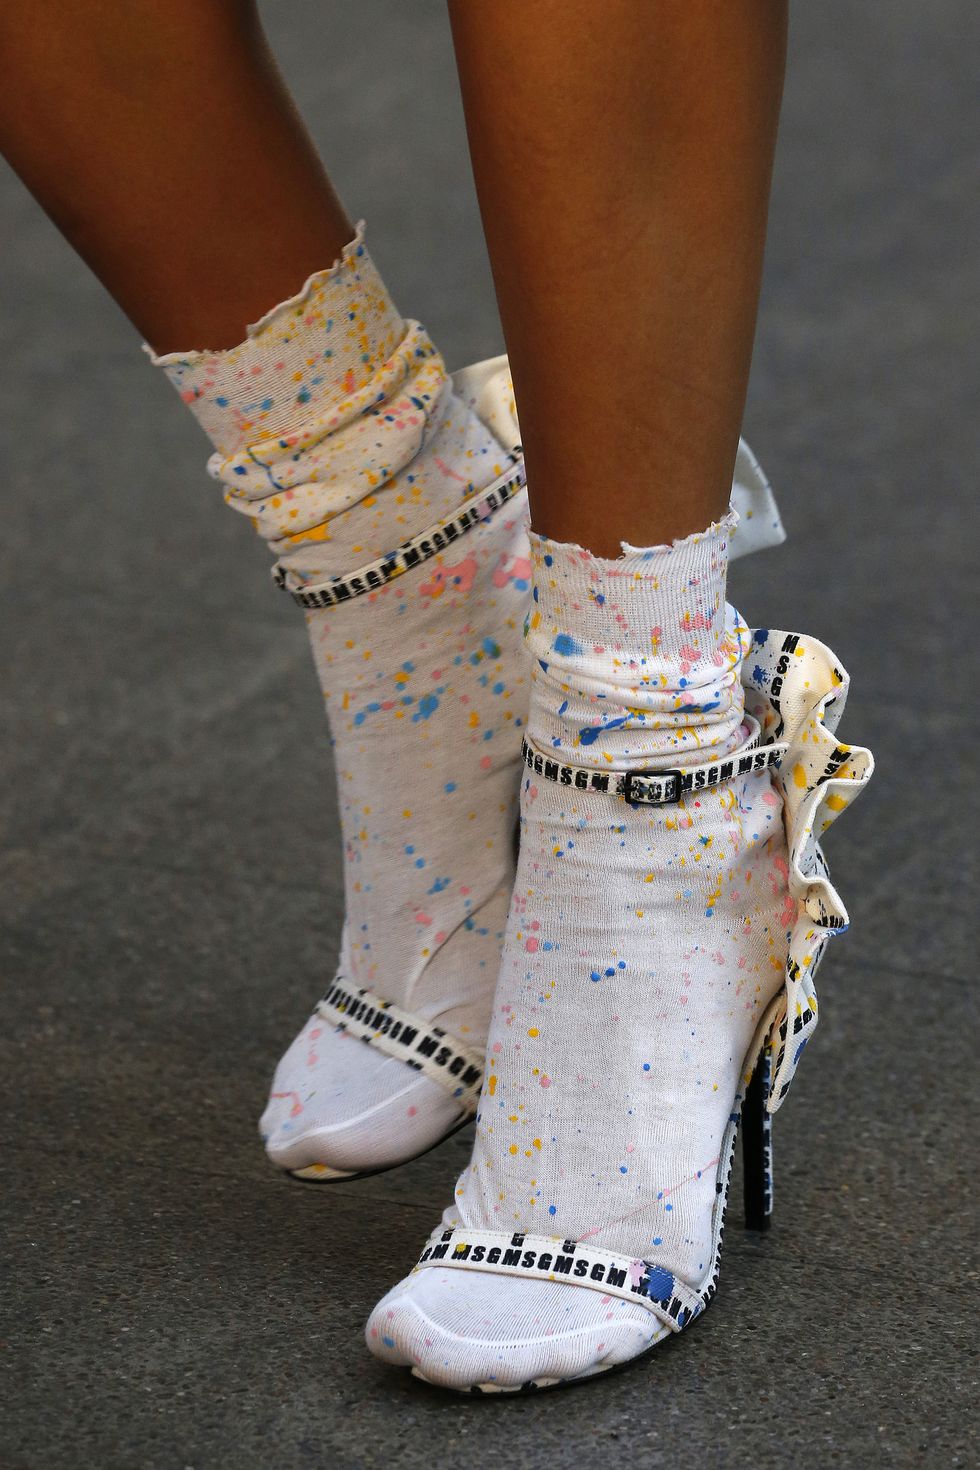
[(169, 882)]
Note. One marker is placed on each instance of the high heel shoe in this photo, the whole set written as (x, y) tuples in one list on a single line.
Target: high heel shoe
[(794, 694)]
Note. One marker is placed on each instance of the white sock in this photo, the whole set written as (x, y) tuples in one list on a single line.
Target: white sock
[(337, 431), (643, 947)]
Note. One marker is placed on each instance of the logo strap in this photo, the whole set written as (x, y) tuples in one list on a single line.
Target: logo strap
[(411, 553), (656, 788), (399, 1034), (548, 1258)]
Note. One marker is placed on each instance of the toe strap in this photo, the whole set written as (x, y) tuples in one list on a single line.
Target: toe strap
[(548, 1258), (398, 1033)]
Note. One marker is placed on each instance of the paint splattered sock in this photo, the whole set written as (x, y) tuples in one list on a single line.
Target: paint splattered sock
[(643, 947), (337, 431)]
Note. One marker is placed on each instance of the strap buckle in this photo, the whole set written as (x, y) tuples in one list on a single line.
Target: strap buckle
[(644, 798)]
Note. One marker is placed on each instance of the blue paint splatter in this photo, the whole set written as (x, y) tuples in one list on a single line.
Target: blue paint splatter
[(659, 1284), (591, 734), (428, 705), (565, 644)]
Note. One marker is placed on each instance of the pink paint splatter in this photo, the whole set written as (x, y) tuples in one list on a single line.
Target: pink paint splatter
[(449, 472), (512, 569), (458, 578)]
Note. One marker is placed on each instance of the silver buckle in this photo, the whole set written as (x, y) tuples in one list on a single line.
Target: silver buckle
[(638, 799)]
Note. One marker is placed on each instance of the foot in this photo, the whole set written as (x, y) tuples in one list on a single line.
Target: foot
[(424, 684), (644, 948)]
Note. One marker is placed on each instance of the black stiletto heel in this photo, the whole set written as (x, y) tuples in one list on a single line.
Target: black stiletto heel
[(757, 1149)]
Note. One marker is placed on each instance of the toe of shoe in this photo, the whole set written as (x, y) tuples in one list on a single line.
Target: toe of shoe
[(275, 1120), (406, 1116), (512, 1349)]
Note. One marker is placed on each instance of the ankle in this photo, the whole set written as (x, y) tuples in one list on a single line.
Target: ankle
[(319, 416), (636, 660)]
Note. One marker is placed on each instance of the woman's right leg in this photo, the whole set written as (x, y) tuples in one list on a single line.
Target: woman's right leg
[(181, 172), (160, 138)]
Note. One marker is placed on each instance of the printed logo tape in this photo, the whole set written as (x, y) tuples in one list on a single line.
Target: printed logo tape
[(397, 1033), (409, 554), (545, 1258)]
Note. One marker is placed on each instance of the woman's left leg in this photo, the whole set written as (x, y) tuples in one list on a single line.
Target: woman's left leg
[(623, 155)]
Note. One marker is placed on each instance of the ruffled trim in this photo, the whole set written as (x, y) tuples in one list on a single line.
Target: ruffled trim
[(796, 689)]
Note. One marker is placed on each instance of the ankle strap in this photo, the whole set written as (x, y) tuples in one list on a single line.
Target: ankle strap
[(411, 553), (658, 788)]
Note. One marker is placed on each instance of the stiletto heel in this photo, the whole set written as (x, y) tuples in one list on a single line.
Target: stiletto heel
[(757, 1148)]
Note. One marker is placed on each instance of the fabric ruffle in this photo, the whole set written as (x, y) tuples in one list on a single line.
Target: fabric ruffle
[(797, 690)]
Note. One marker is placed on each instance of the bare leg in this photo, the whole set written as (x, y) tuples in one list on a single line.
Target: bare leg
[(622, 155), (170, 156)]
